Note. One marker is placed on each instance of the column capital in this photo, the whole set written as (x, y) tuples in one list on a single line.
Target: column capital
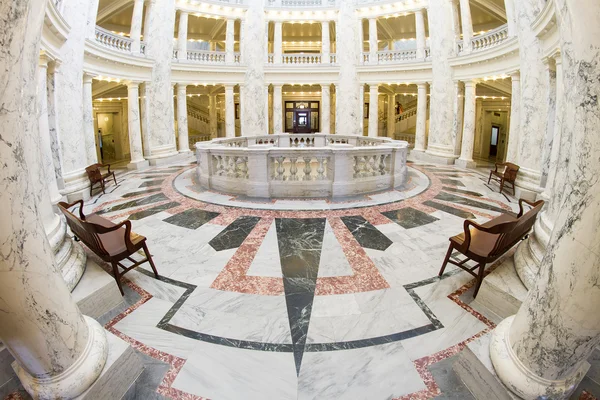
[(150, 2), (182, 12), (180, 86), (133, 84), (515, 75), (374, 86), (45, 59), (471, 82), (88, 77), (557, 55), (422, 85)]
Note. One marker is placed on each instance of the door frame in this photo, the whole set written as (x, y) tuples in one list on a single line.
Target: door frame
[(294, 108)]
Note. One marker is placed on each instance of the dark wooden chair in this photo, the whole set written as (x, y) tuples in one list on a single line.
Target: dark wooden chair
[(487, 242), (507, 174), (111, 242), (95, 175)]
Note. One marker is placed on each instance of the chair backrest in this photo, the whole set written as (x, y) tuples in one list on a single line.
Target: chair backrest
[(85, 231), (510, 173), (522, 226), (93, 173)]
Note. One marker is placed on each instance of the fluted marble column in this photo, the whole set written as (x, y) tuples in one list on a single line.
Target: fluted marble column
[(420, 138), (541, 352), (420, 29), (230, 41), (277, 43), (182, 120), (468, 135), (325, 43), (467, 25), (373, 110), (182, 36), (88, 120), (229, 112), (373, 45), (212, 116), (58, 352), (515, 118), (391, 116), (440, 146), (459, 110), (136, 25), (278, 109)]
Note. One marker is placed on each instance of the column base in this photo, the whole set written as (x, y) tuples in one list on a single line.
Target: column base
[(78, 377), (138, 165), (530, 252), (171, 158), (519, 378), (97, 292), (435, 158), (77, 186), (69, 255), (528, 184), (465, 163)]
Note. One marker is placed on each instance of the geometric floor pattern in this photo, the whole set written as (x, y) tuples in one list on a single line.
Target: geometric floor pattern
[(293, 299)]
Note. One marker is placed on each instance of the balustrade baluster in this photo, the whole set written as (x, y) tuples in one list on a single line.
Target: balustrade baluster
[(356, 167), (372, 168), (382, 164), (293, 169), (231, 165), (321, 168), (280, 168), (307, 168)]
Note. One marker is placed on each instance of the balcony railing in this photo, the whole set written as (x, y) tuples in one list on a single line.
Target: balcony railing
[(113, 41), (301, 58), (396, 56), (302, 3), (206, 57), (490, 39)]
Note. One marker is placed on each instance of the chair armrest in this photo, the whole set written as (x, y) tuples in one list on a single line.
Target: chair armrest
[(496, 165), (494, 229), (127, 224), (529, 203), (107, 166), (67, 206)]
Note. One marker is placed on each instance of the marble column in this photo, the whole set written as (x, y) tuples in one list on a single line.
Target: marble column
[(550, 78), (348, 105), (252, 92), (229, 112), (361, 97), (160, 92), (88, 120), (182, 120), (135, 130), (509, 6), (212, 116), (420, 139), (468, 135), (148, 22), (541, 352), (58, 352), (91, 18), (391, 116), (373, 110), (278, 43), (135, 32), (456, 23), (515, 121), (325, 43), (53, 126), (230, 41), (534, 107), (440, 147), (373, 43), (467, 25), (182, 36), (459, 109), (145, 119), (267, 122), (278, 109), (530, 252), (420, 29)]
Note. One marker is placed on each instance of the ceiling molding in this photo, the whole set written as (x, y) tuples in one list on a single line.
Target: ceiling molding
[(490, 7)]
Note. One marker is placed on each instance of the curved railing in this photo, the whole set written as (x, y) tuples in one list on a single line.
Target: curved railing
[(312, 165), (490, 39), (301, 3), (113, 41), (301, 58), (206, 57), (396, 56)]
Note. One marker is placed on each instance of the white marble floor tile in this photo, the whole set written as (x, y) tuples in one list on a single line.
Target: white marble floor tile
[(267, 261), (333, 261)]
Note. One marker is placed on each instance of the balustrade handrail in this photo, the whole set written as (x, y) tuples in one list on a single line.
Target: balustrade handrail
[(301, 3), (490, 39), (112, 40), (279, 140), (395, 56), (206, 56)]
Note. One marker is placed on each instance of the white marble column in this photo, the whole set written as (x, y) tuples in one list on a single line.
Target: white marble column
[(230, 41), (468, 135), (440, 147), (361, 98), (212, 116), (278, 43), (267, 122), (135, 130), (348, 105), (459, 110), (135, 32), (373, 45), (420, 139), (515, 119), (88, 120), (182, 120), (229, 112), (509, 6), (148, 22), (550, 78), (58, 352), (53, 125), (420, 27), (325, 43), (541, 352), (391, 116), (325, 109), (456, 23), (91, 18), (145, 119), (373, 110), (467, 25), (182, 36), (277, 109)]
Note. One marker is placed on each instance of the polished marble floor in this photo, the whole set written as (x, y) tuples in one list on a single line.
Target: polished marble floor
[(300, 299)]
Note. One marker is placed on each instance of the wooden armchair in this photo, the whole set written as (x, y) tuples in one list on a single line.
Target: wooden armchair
[(111, 242), (487, 242), (96, 176), (507, 174)]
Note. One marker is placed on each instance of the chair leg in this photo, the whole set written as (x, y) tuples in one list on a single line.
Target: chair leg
[(513, 185), (102, 183), (490, 178), (501, 185), (91, 189), (114, 178), (479, 279), (448, 254), (117, 277), (149, 257)]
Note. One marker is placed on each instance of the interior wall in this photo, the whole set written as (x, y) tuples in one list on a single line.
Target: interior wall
[(491, 114)]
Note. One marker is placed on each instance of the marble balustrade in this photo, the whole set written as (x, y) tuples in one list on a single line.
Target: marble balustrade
[(315, 165)]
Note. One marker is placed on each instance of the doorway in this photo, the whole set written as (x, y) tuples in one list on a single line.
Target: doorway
[(494, 141), (302, 116)]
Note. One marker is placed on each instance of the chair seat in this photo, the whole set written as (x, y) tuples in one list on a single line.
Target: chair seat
[(114, 242), (482, 243), (498, 174)]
